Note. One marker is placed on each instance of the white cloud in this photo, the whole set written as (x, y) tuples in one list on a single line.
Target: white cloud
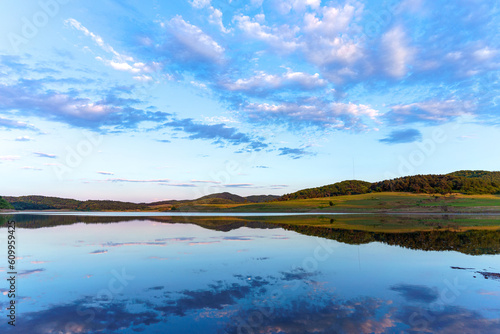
[(280, 38), (119, 62), (334, 20), (24, 138), (285, 6), (396, 52), (143, 78), (263, 82), (195, 40), (430, 111), (216, 18), (313, 112), (200, 3)]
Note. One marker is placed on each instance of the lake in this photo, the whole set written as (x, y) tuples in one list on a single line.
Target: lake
[(126, 274)]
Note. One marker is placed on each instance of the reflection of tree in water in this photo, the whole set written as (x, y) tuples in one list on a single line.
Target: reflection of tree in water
[(473, 242)]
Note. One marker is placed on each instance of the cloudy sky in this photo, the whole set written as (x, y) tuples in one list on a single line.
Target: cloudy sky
[(151, 100)]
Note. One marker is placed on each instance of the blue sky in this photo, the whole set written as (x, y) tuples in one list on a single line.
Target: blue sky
[(153, 100)]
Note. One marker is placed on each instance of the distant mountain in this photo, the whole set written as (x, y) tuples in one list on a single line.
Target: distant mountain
[(234, 199), (465, 181)]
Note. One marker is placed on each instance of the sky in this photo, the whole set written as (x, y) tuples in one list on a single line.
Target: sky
[(151, 100)]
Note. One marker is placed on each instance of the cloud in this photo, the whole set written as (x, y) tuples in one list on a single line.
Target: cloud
[(397, 54), (239, 185), (11, 124), (9, 157), (402, 136), (279, 38), (431, 112), (263, 83), (105, 173), (205, 181), (312, 112), (138, 181), (218, 133), (332, 23), (120, 62), (294, 153), (99, 251), (45, 155), (24, 138), (30, 272), (31, 168), (192, 43), (76, 111), (200, 3)]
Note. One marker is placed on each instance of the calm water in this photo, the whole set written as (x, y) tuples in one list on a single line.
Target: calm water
[(224, 275)]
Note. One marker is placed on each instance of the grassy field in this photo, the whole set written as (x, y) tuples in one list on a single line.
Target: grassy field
[(373, 202)]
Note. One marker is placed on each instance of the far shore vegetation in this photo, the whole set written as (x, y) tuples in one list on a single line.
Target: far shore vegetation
[(462, 191)]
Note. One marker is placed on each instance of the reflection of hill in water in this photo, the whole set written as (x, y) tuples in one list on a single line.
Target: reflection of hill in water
[(473, 242), (223, 224)]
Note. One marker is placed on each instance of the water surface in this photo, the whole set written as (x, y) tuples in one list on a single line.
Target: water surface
[(227, 275)]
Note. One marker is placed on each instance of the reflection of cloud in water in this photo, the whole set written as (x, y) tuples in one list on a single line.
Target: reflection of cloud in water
[(488, 293), (366, 315), (451, 319), (75, 318), (250, 306), (162, 258), (176, 239), (235, 238), (139, 243), (297, 274), (416, 293)]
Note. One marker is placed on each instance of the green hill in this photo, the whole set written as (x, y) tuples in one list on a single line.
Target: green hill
[(466, 182), (352, 187)]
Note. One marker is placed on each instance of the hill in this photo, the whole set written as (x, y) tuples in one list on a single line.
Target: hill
[(56, 203), (465, 182)]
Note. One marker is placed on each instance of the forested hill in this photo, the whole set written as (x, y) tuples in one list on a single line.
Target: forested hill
[(56, 203), (466, 182)]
